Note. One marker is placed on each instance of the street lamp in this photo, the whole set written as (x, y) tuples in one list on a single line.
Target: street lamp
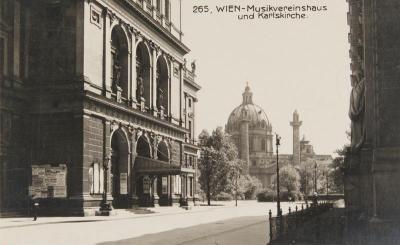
[(327, 183), (315, 177), (278, 199), (306, 185)]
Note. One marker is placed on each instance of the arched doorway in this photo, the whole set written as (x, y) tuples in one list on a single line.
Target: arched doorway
[(162, 84), (164, 180), (119, 61), (143, 72), (119, 168), (144, 181)]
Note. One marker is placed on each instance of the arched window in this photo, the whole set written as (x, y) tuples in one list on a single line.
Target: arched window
[(119, 62), (167, 10), (143, 147), (143, 74), (163, 152), (158, 5), (263, 144), (263, 124), (162, 83)]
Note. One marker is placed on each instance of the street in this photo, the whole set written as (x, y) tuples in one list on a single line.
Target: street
[(220, 224)]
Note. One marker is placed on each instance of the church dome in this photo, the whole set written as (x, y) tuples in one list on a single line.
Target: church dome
[(248, 111)]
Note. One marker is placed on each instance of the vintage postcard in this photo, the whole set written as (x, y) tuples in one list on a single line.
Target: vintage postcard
[(240, 122)]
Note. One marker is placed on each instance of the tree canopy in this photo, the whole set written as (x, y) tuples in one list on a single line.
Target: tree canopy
[(289, 179), (218, 162)]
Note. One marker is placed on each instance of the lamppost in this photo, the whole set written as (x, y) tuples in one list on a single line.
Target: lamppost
[(236, 187), (327, 183), (306, 185), (105, 206), (315, 177), (237, 173), (278, 199)]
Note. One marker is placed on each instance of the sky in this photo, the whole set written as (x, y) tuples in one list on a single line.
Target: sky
[(290, 65)]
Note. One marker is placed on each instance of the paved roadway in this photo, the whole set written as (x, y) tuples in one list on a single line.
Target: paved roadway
[(227, 224), (241, 231)]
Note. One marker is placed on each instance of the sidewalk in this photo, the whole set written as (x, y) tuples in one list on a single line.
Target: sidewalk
[(120, 214)]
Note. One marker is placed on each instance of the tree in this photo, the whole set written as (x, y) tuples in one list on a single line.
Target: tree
[(217, 164), (336, 175), (289, 180), (249, 186), (306, 177)]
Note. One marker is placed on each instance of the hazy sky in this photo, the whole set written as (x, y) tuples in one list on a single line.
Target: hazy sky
[(289, 64)]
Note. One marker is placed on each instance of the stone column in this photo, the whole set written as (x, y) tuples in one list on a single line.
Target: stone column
[(129, 78), (296, 138), (107, 55), (79, 40), (27, 38), (155, 191), (133, 176), (153, 104), (181, 97), (171, 73), (244, 143), (133, 78), (168, 94), (17, 35), (107, 155), (270, 144), (169, 189)]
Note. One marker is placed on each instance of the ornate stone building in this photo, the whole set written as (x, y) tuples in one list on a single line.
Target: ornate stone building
[(102, 88), (252, 134), (372, 166)]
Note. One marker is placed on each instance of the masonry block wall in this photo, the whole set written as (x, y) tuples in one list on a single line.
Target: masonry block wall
[(386, 79)]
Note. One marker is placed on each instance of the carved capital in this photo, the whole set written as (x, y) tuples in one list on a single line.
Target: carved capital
[(114, 126), (111, 15), (139, 132)]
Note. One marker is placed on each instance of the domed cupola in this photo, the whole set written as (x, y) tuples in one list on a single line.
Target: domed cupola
[(250, 112)]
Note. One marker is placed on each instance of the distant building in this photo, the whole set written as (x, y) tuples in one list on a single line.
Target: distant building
[(96, 97), (251, 132)]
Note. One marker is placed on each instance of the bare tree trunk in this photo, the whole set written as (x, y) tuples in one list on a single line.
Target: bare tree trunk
[(208, 194)]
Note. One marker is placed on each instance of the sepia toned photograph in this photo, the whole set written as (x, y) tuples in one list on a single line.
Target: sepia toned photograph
[(199, 122)]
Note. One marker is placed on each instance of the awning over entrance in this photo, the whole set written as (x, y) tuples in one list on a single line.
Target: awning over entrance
[(144, 165)]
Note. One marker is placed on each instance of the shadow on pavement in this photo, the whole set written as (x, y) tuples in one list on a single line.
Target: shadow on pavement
[(244, 230)]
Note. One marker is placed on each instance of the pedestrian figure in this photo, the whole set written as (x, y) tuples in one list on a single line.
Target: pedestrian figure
[(35, 207), (315, 198)]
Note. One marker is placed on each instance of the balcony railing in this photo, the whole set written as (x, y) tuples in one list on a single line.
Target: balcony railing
[(191, 141), (189, 75)]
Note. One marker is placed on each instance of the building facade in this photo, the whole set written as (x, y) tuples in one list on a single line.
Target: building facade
[(100, 89), (251, 131), (372, 161)]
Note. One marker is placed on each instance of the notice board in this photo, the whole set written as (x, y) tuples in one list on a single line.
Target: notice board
[(49, 181)]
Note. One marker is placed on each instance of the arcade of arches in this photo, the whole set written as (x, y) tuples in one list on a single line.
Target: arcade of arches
[(142, 171), (149, 88)]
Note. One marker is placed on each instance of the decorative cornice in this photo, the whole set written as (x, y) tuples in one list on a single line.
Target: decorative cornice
[(139, 115)]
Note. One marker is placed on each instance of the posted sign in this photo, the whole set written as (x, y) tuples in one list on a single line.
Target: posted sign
[(48, 181)]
